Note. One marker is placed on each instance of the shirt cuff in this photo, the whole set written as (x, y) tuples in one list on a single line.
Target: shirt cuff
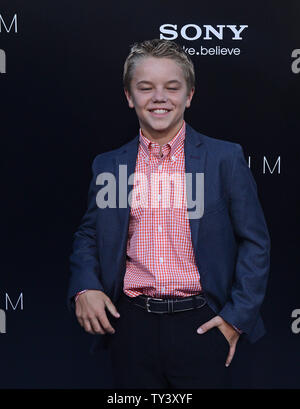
[(80, 292), (237, 329)]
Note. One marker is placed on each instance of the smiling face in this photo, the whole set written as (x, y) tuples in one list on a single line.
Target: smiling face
[(159, 94)]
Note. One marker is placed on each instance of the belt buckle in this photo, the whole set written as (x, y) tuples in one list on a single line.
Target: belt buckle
[(170, 306), (147, 304), (203, 301)]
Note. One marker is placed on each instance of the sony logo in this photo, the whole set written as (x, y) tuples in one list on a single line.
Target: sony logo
[(207, 32)]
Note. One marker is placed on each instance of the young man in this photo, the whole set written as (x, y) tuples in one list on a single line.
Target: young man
[(171, 291)]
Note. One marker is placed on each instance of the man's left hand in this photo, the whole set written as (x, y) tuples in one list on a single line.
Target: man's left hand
[(227, 330)]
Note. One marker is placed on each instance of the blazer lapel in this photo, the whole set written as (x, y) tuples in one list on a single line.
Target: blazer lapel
[(195, 160), (124, 167)]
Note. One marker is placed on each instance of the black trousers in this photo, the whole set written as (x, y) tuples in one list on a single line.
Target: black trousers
[(151, 350)]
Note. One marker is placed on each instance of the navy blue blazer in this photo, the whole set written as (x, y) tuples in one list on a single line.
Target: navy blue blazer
[(231, 240)]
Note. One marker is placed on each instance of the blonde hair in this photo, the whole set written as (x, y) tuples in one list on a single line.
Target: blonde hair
[(159, 49)]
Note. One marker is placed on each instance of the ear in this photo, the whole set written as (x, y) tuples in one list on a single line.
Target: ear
[(129, 98), (189, 98)]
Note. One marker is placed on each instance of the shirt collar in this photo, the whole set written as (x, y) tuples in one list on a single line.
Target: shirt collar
[(173, 147)]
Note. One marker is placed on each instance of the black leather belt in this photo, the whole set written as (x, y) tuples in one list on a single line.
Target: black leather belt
[(168, 305)]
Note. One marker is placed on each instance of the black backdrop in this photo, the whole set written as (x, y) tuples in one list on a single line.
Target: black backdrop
[(62, 103)]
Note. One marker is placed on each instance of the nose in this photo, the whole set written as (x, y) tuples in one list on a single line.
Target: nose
[(159, 96)]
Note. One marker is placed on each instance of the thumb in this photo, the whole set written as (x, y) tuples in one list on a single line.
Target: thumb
[(206, 326), (111, 308)]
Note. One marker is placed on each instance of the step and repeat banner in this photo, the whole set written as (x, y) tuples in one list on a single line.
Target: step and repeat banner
[(62, 103)]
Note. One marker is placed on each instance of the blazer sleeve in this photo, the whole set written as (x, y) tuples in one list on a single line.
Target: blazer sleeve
[(84, 260), (253, 251)]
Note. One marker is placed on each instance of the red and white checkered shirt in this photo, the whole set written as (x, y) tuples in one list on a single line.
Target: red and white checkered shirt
[(160, 256)]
